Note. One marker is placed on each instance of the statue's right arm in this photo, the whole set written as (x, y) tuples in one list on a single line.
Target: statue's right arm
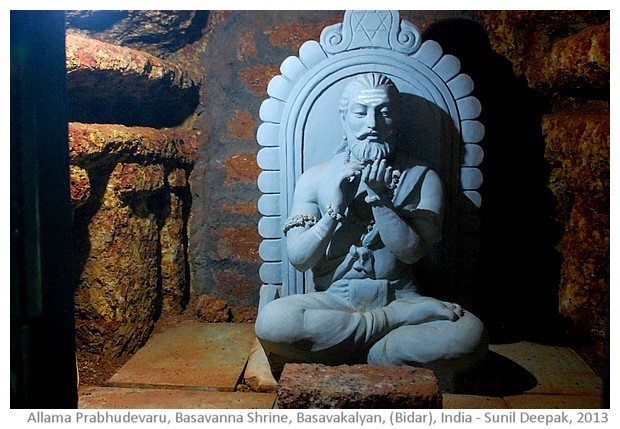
[(307, 245), (326, 185)]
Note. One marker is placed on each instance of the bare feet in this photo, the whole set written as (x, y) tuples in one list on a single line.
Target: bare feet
[(422, 310)]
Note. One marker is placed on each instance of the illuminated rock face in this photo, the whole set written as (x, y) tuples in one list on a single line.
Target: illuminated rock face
[(578, 151), (158, 32), (130, 231), (130, 190), (567, 61)]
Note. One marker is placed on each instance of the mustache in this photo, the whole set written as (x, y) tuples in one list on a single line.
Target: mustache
[(370, 134)]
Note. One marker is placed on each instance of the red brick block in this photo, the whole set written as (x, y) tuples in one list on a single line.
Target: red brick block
[(241, 125), (241, 167), (357, 386), (257, 78)]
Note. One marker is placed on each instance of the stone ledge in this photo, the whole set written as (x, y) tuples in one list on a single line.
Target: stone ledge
[(113, 84), (84, 53), (578, 61), (147, 156), (555, 50), (158, 32), (357, 386), (87, 141)]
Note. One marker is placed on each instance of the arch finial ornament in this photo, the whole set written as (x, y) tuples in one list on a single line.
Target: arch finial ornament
[(371, 29)]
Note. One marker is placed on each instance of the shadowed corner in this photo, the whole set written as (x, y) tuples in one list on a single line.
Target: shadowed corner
[(496, 376)]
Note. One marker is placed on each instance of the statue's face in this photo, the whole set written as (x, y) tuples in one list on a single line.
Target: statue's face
[(368, 124)]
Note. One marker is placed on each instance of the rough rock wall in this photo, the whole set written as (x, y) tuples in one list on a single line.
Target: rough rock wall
[(132, 148), (565, 57)]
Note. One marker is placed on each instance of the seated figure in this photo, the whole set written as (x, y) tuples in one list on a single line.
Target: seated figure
[(360, 221)]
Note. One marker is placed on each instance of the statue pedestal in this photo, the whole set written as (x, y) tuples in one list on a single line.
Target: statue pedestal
[(303, 386)]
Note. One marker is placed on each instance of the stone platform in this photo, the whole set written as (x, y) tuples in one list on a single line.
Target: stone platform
[(204, 365), (197, 356)]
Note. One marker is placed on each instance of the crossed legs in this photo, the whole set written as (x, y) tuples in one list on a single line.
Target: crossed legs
[(321, 328)]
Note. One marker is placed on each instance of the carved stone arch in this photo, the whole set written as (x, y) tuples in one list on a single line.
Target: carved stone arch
[(296, 117)]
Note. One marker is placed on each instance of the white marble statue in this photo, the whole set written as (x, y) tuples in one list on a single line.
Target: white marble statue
[(360, 221)]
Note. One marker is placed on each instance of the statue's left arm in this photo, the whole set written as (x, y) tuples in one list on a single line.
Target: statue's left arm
[(408, 232)]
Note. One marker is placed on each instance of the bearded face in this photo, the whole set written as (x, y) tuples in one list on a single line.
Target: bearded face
[(368, 124)]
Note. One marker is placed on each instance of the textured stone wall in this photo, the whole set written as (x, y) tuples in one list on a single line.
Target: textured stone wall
[(565, 57), (132, 148), (243, 53)]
